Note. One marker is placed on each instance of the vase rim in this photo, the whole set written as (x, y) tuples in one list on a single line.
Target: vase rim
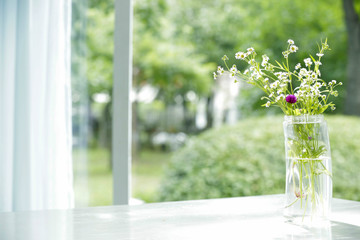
[(304, 118)]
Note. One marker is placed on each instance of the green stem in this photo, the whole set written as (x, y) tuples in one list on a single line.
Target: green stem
[(292, 203)]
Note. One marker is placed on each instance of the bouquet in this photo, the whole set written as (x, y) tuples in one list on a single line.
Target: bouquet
[(298, 91)]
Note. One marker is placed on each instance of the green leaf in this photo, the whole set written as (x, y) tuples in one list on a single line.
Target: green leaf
[(279, 64)]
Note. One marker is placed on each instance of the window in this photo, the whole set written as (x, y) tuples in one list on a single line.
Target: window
[(171, 96)]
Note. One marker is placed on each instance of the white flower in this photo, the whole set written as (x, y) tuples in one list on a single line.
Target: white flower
[(250, 50), (283, 76), (308, 62), (233, 69), (317, 85), (266, 58), (298, 66), (252, 62), (290, 41), (319, 54), (266, 79), (318, 73), (274, 84), (333, 108), (240, 55), (268, 104), (246, 71), (269, 67), (303, 72), (293, 48), (340, 83), (224, 58), (220, 70), (313, 75), (282, 96), (318, 63), (334, 93), (255, 75), (285, 54), (215, 76)]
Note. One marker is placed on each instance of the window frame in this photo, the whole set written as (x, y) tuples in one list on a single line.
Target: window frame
[(121, 107)]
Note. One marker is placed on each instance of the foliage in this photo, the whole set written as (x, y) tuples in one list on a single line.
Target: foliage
[(100, 31), (248, 159), (160, 58), (163, 59), (176, 49), (218, 27)]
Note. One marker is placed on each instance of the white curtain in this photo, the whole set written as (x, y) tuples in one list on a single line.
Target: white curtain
[(35, 105)]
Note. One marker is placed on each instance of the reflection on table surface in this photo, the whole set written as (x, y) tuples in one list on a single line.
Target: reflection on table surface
[(258, 217)]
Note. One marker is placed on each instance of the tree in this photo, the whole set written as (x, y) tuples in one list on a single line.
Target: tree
[(177, 43), (352, 101), (166, 60), (163, 58)]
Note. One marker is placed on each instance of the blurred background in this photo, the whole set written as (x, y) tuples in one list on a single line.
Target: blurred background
[(195, 137)]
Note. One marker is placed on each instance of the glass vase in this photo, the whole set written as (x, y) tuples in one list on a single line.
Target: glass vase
[(308, 168)]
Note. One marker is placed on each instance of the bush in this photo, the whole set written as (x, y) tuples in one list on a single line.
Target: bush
[(248, 159)]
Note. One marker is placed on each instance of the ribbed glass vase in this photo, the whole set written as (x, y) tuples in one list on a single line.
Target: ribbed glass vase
[(308, 168)]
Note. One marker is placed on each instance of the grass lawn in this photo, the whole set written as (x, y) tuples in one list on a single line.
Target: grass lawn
[(93, 180), (147, 171)]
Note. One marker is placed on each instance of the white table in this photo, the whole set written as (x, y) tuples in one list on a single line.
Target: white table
[(231, 218)]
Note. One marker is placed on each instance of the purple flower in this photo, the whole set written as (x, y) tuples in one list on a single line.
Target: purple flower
[(291, 99), (309, 138)]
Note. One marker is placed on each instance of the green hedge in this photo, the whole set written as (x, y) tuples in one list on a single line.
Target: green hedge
[(248, 159)]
